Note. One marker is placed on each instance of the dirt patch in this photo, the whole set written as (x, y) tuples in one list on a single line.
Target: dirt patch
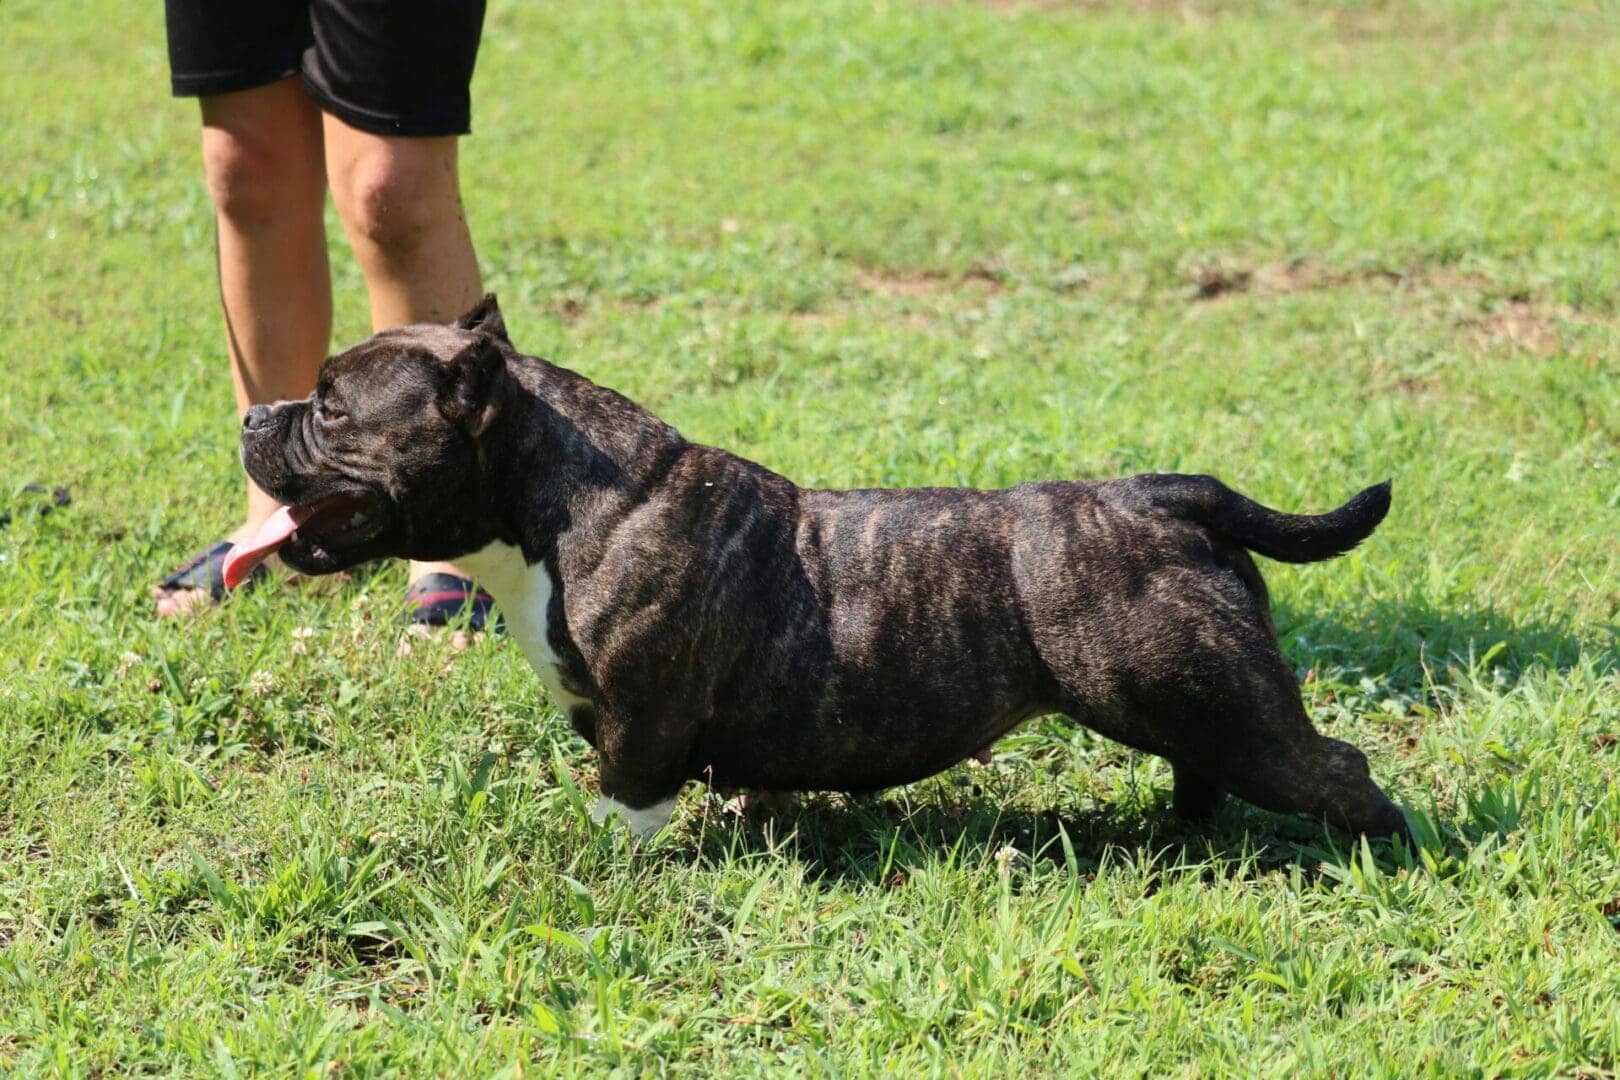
[(1524, 325), (1349, 20), (927, 287), (1202, 9), (1214, 281), (1351, 23), (1374, 22), (642, 303), (1484, 311), (929, 282), (577, 305), (1305, 275), (1417, 387), (896, 284)]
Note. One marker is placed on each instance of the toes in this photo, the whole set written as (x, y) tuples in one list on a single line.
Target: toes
[(172, 602)]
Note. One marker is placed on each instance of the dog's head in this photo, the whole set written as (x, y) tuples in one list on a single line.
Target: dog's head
[(387, 457)]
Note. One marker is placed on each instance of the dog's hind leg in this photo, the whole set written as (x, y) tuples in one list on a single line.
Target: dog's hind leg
[(1243, 728), (1347, 797), (1271, 755), (1329, 781)]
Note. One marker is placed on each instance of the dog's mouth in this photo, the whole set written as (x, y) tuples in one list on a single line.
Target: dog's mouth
[(317, 538)]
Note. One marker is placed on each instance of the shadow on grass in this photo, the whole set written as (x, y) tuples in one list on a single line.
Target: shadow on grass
[(882, 844), (1397, 639)]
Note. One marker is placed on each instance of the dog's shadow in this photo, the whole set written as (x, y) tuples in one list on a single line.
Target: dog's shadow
[(1412, 642), (884, 844)]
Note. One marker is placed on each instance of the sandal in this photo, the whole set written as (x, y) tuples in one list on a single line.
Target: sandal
[(445, 599), (206, 570)]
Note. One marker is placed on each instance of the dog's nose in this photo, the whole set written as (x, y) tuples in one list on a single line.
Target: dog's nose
[(256, 417)]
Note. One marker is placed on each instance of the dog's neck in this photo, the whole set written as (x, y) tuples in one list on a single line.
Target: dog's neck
[(570, 456)]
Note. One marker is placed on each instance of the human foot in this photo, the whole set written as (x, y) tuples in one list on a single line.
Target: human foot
[(199, 582), (440, 595)]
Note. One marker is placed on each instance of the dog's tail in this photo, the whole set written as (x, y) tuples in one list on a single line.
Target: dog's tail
[(1296, 538)]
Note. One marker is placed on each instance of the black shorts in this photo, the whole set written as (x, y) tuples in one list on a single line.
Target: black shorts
[(390, 67)]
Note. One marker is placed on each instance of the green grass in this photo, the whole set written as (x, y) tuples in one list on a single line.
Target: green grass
[(890, 243)]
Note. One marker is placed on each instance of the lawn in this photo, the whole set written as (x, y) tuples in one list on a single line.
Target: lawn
[(1303, 246)]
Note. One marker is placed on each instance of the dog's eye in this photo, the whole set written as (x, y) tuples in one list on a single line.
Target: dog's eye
[(330, 412)]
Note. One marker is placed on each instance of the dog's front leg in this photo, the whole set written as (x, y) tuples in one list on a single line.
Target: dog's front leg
[(643, 771)]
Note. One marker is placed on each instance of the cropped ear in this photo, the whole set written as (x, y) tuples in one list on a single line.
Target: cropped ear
[(486, 316), (474, 385)]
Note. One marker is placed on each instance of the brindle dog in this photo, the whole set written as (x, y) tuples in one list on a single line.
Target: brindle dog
[(698, 616)]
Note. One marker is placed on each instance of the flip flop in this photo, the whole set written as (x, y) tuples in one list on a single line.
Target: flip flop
[(206, 570), (445, 599)]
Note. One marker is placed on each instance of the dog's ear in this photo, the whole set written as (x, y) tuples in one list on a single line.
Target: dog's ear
[(486, 316), (474, 385)]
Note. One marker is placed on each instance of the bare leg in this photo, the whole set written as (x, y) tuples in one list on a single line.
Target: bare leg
[(400, 202), (263, 158)]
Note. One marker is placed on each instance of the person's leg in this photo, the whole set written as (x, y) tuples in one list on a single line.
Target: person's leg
[(400, 202), (263, 157)]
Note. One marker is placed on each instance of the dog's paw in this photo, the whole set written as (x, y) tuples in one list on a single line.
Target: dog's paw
[(644, 824)]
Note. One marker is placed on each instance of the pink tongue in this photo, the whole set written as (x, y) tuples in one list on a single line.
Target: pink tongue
[(242, 558)]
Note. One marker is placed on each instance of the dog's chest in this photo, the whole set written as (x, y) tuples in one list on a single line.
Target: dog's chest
[(524, 593)]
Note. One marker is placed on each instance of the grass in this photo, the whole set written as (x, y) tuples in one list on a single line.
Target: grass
[(1302, 246)]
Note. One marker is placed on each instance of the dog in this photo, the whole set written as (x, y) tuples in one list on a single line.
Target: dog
[(698, 617)]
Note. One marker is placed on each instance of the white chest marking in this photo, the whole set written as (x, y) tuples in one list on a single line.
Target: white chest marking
[(523, 593)]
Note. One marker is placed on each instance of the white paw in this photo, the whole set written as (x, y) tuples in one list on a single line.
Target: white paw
[(643, 824)]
